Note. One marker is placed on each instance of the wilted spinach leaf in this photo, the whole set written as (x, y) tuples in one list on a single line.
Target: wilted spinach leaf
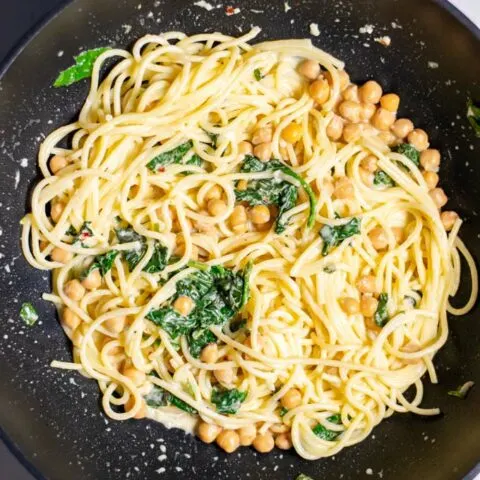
[(382, 178), (159, 397), (28, 314), (409, 151), (334, 235), (102, 262), (473, 116), (171, 157), (324, 433), (228, 401), (381, 315)]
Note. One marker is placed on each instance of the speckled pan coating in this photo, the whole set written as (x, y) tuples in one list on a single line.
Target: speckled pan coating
[(54, 418)]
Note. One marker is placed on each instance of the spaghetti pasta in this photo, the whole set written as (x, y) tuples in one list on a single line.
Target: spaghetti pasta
[(207, 159)]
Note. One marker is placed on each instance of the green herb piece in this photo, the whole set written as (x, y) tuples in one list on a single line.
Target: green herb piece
[(274, 191), (473, 116), (257, 73), (28, 314), (381, 315), (159, 397), (198, 265), (199, 339), (172, 157), (82, 235), (82, 69), (409, 151), (324, 433), (218, 293), (302, 476), (334, 235), (382, 178), (157, 262), (235, 326), (103, 262), (213, 138), (245, 288), (330, 268), (71, 231), (283, 411), (228, 401), (462, 390)]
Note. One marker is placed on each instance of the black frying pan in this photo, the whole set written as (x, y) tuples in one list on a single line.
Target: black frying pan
[(54, 419)]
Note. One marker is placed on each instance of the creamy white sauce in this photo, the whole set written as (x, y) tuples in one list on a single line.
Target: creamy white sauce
[(172, 417)]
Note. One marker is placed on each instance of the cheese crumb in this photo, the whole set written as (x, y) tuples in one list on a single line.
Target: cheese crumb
[(203, 4), (432, 65), (287, 7), (366, 29), (314, 29)]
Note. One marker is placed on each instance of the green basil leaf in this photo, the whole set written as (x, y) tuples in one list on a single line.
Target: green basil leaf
[(28, 314), (473, 116), (82, 69)]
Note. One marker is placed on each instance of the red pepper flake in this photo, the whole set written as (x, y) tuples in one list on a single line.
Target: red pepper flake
[(160, 169), (229, 10)]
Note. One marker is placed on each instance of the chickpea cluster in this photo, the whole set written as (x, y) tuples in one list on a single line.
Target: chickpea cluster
[(367, 109), (252, 435)]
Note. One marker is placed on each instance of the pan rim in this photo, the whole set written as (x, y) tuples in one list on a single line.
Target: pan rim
[(30, 36)]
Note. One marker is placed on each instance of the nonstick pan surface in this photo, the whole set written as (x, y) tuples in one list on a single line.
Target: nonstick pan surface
[(53, 418)]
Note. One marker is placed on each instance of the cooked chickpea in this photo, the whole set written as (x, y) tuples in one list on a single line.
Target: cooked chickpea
[(242, 185), (70, 319), (352, 132), (350, 110), (371, 325), (368, 305), (291, 399), (366, 176), (116, 324), (242, 228), (430, 159), (209, 353), (74, 290), (438, 196), (247, 435), (367, 111), (57, 162), (215, 193), (216, 207), (448, 219), (238, 216), (399, 234), (264, 443), (263, 151), (93, 280), (343, 188), (262, 135), (402, 127), (383, 119), (370, 92), (245, 148), (378, 237), (369, 163), (344, 79), (113, 350), (320, 90), (292, 133), (419, 139), (351, 93), (208, 432), (136, 376), (224, 375), (367, 284), (228, 440), (283, 441), (259, 214), (335, 128), (349, 305), (390, 102), (183, 305), (57, 210), (60, 255), (431, 179), (309, 69), (142, 411), (388, 138)]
